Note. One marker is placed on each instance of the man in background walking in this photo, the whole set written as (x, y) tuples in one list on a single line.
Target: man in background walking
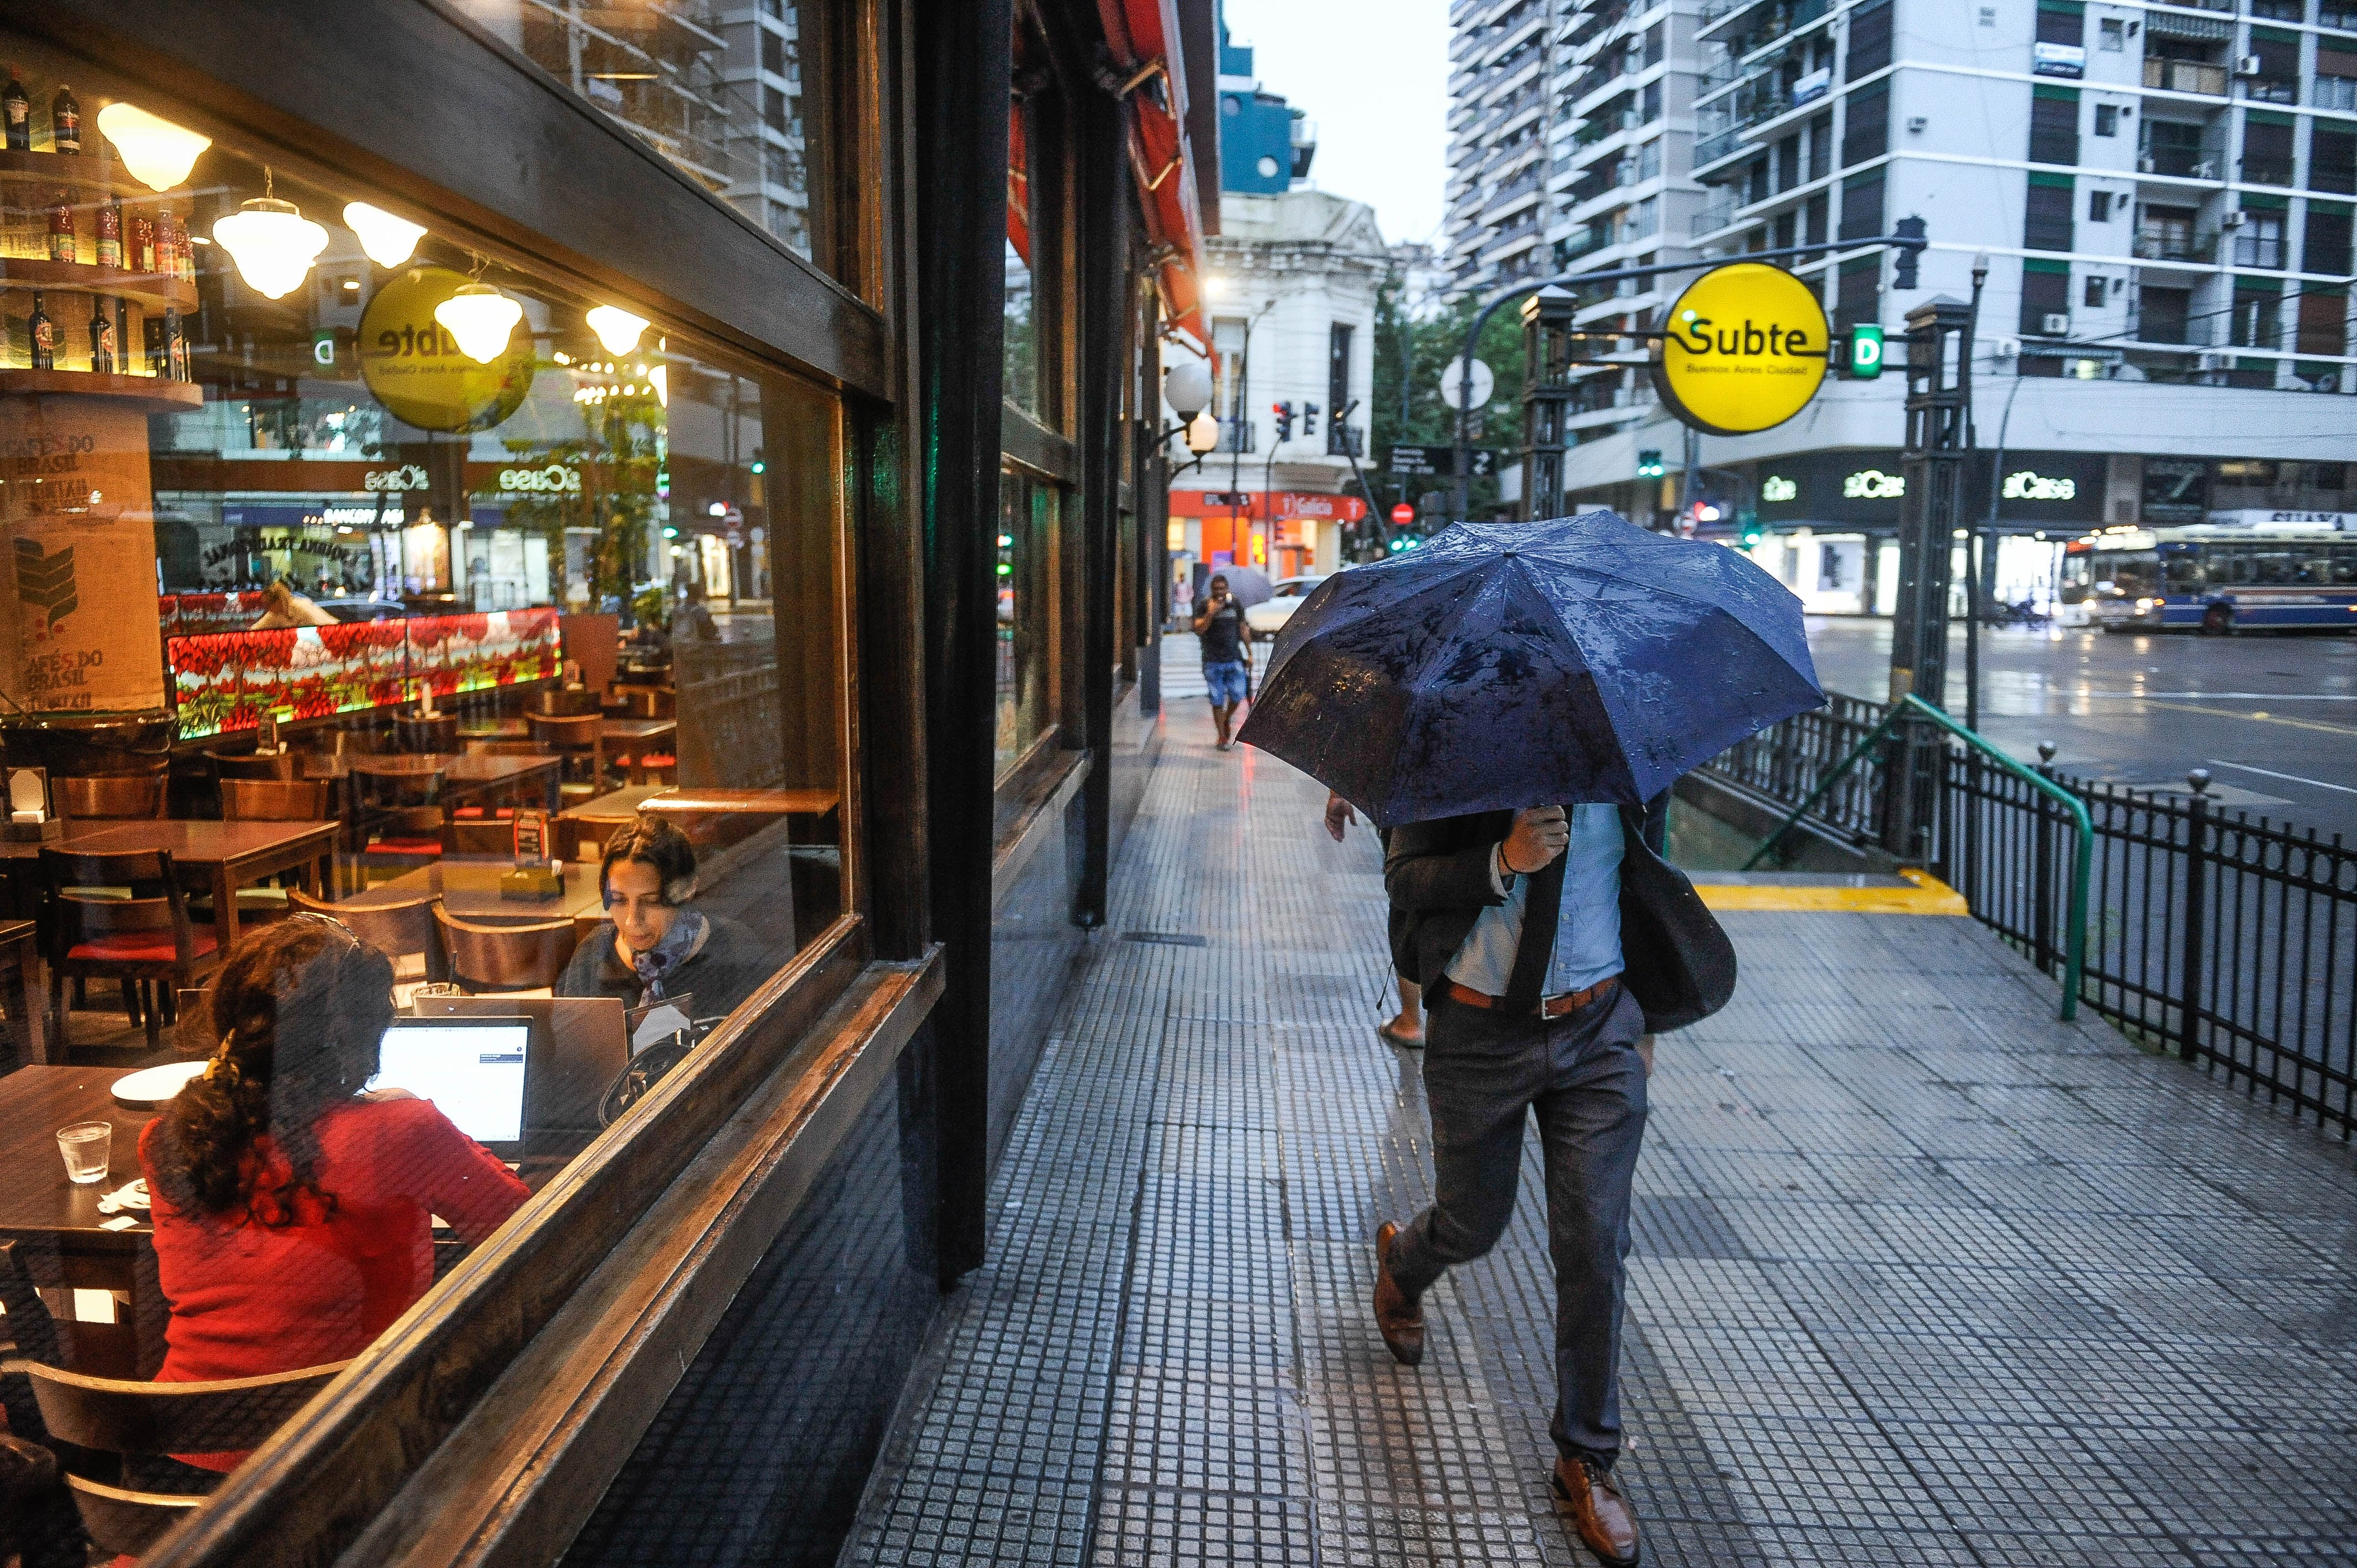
[(1226, 636)]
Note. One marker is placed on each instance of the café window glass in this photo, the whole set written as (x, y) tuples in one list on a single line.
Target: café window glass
[(358, 565), (722, 92), (1027, 574)]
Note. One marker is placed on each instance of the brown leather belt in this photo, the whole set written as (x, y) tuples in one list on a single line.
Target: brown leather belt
[(1553, 1007)]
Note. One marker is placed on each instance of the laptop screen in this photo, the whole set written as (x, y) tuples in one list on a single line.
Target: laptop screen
[(471, 1069)]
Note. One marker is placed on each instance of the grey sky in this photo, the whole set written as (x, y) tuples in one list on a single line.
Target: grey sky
[(1374, 75)]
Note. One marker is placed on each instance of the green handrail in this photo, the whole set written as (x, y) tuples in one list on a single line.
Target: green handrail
[(2074, 963)]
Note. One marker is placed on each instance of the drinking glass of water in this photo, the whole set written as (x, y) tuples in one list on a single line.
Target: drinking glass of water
[(88, 1147)]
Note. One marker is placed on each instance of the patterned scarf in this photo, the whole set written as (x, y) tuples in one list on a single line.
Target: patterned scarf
[(682, 941)]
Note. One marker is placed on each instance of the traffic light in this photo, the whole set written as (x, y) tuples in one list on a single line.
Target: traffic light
[(1649, 463), (1283, 411), (1903, 274), (1863, 362), (1752, 531), (1309, 419)]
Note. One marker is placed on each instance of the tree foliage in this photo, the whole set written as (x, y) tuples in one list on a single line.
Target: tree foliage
[(1413, 414)]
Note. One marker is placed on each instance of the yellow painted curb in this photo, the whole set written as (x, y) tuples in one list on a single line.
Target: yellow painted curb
[(1928, 896)]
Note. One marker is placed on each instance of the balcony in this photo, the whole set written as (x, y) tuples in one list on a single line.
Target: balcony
[(2185, 76), (2267, 171), (2176, 162), (2202, 249)]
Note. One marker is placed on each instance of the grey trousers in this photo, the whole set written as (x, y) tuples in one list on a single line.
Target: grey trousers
[(1484, 1073)]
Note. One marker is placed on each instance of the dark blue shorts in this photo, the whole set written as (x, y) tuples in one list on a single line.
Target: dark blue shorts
[(1226, 681)]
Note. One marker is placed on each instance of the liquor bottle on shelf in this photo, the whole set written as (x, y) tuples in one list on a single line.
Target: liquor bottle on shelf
[(17, 109), (61, 228), (102, 338), (184, 254), (41, 335), (65, 122), (176, 346), (142, 236), (121, 336), (110, 233), (151, 337)]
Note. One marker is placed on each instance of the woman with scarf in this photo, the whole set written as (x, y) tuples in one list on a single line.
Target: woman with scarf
[(654, 945)]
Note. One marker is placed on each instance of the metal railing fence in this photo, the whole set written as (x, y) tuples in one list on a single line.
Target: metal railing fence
[(2227, 939)]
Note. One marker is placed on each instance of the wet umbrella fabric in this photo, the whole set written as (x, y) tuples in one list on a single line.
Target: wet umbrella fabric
[(1505, 665), (1248, 585)]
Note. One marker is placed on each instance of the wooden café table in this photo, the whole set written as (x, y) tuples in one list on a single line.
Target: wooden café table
[(231, 856), (59, 1223), (469, 887), (712, 819)]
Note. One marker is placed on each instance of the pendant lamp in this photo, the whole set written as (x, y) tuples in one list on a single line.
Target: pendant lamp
[(389, 240), (616, 327), (157, 153), (272, 243), (481, 318)]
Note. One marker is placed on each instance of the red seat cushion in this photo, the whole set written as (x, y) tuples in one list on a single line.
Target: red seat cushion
[(405, 846), (463, 813), (658, 759), (140, 947)]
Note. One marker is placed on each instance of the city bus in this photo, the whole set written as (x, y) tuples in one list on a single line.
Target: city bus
[(2214, 579)]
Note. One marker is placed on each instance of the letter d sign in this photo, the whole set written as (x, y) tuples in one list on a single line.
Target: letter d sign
[(1864, 359)]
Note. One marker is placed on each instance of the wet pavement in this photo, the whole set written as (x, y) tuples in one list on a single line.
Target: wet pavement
[(1921, 1275), (2273, 717)]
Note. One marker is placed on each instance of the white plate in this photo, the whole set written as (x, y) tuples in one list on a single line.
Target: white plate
[(151, 1087)]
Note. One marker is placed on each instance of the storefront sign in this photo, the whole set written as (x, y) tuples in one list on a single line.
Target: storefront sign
[(1260, 505), (79, 516), (2029, 485), (2058, 59), (554, 479), (1776, 487), (414, 367), (2176, 491), (1873, 485), (408, 477), (1744, 350), (2249, 517)]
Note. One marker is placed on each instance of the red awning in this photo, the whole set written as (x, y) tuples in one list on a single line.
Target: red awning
[(1018, 183), (1144, 36)]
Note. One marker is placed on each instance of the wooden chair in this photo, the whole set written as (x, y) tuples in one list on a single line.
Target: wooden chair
[(397, 815), (419, 732), (32, 1336), (478, 835), (650, 702), (282, 766), (404, 932), (114, 797), (128, 1420), (146, 942), (565, 703), (578, 739), (505, 957), (269, 800)]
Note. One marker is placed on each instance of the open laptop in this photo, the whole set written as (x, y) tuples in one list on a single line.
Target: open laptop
[(474, 1071), (579, 1046)]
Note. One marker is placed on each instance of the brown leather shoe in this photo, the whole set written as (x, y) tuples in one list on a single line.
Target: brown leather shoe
[(1608, 1525), (1397, 1312)]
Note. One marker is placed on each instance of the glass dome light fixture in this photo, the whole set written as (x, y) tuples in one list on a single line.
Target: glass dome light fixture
[(272, 243), (481, 318), (616, 327), (389, 240), (157, 153)]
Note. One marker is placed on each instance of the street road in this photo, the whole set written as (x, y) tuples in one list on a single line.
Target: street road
[(2272, 718)]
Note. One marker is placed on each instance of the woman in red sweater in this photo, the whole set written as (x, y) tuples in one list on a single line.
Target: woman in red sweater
[(291, 1206)]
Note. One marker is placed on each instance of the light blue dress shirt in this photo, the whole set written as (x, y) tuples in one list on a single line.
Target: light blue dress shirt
[(1587, 924)]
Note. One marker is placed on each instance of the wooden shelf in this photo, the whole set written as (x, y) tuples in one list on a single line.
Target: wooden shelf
[(86, 171), (160, 395), (157, 291)]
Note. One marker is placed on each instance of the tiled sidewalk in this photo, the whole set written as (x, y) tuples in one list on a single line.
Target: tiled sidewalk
[(1922, 1275)]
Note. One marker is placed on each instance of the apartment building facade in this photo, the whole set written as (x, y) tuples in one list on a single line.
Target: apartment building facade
[(2164, 195)]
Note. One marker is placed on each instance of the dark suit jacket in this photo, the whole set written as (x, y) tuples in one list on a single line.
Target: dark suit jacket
[(1679, 964)]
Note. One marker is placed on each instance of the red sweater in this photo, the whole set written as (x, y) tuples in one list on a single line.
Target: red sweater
[(249, 1299)]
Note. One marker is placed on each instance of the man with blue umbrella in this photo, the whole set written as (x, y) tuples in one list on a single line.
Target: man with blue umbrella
[(1513, 701)]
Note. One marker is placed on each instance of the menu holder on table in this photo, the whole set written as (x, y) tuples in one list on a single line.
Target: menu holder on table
[(32, 812), (534, 879)]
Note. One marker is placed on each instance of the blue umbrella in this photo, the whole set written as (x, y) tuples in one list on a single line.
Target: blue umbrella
[(1505, 665)]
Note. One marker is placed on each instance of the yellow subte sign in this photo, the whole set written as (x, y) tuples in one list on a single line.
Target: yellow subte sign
[(1743, 349)]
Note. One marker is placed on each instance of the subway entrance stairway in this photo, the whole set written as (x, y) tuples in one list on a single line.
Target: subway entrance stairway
[(1920, 1275)]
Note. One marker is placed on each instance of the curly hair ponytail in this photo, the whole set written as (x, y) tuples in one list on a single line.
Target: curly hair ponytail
[(301, 1009)]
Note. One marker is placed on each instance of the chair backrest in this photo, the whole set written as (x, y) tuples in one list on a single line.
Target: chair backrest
[(419, 732), (32, 1336), (505, 957), (279, 766), (73, 913), (383, 786), (578, 732), (563, 704), (115, 1415), (478, 836), (274, 801), (114, 797), (395, 931), (650, 702)]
